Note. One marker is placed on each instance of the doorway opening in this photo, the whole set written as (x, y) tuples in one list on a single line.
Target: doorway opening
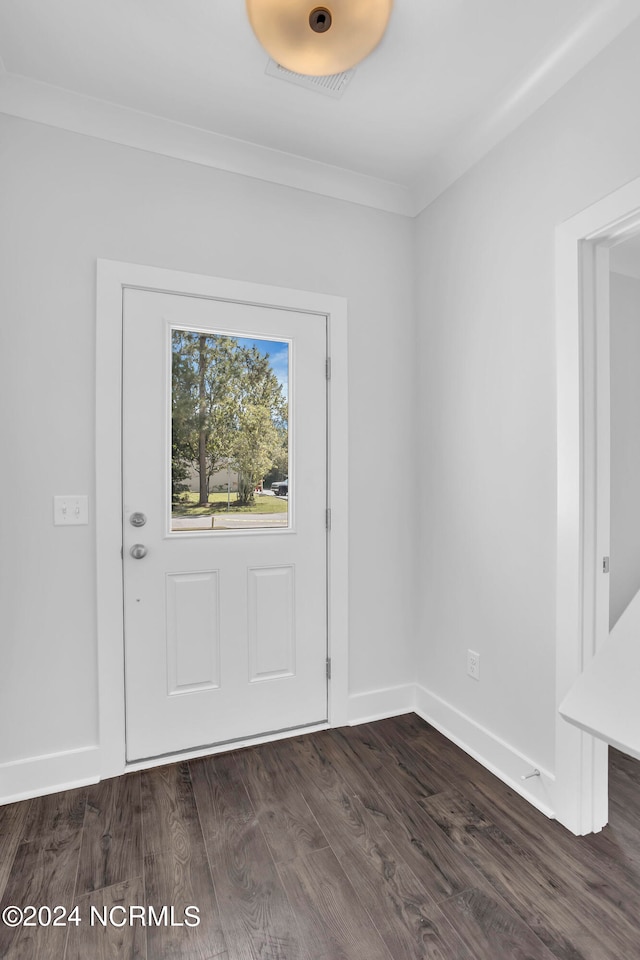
[(583, 263)]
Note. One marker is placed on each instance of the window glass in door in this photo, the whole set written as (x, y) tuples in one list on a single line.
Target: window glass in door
[(229, 432)]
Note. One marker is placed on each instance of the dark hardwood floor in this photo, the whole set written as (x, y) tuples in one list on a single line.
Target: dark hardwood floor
[(378, 842)]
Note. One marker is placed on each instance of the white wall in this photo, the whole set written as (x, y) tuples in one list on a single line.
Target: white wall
[(624, 577), (485, 269), (470, 413), (625, 258), (66, 200)]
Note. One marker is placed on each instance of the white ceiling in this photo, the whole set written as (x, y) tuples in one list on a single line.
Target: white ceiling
[(450, 78)]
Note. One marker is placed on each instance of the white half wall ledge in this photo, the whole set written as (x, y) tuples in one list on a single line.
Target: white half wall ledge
[(56, 107), (51, 773), (497, 756), (604, 699)]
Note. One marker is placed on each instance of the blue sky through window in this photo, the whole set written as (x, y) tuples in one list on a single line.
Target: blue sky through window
[(278, 356)]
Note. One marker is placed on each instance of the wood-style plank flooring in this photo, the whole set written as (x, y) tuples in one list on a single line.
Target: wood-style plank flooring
[(377, 842)]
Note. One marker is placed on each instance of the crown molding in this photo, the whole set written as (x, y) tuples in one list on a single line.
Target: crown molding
[(559, 64), (56, 107)]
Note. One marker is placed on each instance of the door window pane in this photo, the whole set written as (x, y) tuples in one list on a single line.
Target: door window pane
[(229, 432)]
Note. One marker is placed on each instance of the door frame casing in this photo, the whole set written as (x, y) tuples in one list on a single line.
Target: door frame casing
[(112, 278), (582, 362)]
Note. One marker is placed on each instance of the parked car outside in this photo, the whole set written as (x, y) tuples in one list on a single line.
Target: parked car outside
[(280, 487)]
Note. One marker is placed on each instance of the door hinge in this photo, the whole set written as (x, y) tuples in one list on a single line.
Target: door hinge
[(605, 564), (328, 518), (328, 668), (328, 368)]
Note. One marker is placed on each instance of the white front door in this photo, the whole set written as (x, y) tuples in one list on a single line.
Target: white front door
[(225, 606)]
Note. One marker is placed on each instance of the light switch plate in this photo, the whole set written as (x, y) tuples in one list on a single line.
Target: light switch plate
[(70, 510)]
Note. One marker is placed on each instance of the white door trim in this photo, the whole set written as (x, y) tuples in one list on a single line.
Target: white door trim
[(582, 345), (112, 278)]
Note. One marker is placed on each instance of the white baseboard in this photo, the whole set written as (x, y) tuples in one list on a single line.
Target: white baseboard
[(379, 704), (39, 776), (503, 760)]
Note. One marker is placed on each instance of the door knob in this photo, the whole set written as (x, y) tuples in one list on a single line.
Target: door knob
[(138, 551)]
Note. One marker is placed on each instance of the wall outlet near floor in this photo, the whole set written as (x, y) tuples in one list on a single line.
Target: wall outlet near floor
[(473, 664)]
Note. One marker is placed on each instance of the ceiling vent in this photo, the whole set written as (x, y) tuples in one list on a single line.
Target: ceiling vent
[(331, 86)]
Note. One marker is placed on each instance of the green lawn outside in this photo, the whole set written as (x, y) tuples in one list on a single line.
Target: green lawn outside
[(188, 505)]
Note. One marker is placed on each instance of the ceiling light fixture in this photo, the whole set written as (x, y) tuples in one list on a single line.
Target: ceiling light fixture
[(319, 39)]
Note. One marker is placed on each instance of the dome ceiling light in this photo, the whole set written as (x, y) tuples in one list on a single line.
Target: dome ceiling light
[(319, 39)]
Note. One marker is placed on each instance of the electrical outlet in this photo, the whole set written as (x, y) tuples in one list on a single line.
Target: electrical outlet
[(473, 664)]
